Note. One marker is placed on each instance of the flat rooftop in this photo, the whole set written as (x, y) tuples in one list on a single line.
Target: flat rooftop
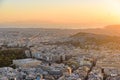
[(28, 60)]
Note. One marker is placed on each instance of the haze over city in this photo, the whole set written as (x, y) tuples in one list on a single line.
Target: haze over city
[(59, 39), (59, 13)]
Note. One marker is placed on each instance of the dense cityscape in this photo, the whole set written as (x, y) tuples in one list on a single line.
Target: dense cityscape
[(58, 54), (59, 39)]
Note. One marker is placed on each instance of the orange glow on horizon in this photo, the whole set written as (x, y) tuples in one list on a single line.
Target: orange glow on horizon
[(70, 14)]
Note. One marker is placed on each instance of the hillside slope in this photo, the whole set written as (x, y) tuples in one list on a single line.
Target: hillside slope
[(83, 40), (111, 30)]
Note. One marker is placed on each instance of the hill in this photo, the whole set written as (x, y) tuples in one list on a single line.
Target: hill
[(113, 27), (111, 30), (97, 39), (82, 40)]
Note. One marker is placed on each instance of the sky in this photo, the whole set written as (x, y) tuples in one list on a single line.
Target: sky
[(60, 13)]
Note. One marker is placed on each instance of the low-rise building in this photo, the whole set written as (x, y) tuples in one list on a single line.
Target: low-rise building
[(26, 62)]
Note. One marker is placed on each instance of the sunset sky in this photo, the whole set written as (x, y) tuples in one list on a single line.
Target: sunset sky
[(88, 13)]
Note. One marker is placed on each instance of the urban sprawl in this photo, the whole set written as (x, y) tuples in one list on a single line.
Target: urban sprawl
[(53, 54)]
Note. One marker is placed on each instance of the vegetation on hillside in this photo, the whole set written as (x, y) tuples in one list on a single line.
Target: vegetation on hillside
[(83, 40)]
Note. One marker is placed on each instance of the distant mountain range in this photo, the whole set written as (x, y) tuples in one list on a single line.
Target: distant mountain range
[(111, 30), (113, 27)]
